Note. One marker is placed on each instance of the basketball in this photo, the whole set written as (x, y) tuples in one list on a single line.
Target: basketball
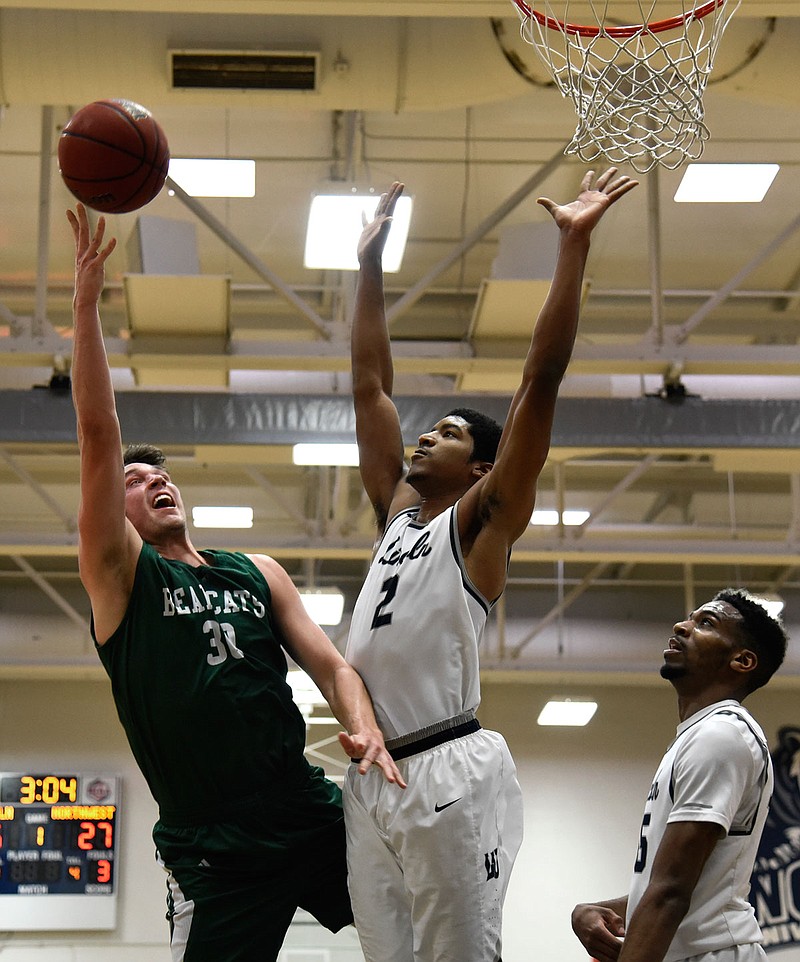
[(113, 156)]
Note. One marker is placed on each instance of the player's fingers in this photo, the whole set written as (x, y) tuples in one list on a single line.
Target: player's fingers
[(605, 177), (389, 768), (78, 220), (621, 186), (83, 217), (387, 765), (99, 231), (394, 195), (73, 223), (104, 254), (586, 183), (397, 778)]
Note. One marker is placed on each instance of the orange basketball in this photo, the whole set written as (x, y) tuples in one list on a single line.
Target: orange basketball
[(113, 156)]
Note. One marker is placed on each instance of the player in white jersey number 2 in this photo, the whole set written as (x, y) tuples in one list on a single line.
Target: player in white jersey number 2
[(706, 808), (429, 865)]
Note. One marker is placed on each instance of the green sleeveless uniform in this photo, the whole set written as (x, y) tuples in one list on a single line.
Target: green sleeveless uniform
[(198, 676)]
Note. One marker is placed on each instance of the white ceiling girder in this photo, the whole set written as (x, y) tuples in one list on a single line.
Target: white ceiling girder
[(55, 596), (255, 263), (417, 357), (478, 233)]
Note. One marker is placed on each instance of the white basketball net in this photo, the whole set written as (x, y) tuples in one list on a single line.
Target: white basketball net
[(639, 98)]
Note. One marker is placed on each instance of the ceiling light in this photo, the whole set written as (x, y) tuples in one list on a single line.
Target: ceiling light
[(566, 711), (325, 606), (545, 517), (335, 223), (725, 183), (214, 178), (336, 454), (305, 693), (772, 602), (211, 516)]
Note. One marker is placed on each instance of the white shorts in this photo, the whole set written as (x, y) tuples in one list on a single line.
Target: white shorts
[(749, 952), (429, 865)]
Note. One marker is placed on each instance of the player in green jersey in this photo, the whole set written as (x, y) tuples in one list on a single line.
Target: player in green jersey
[(193, 642)]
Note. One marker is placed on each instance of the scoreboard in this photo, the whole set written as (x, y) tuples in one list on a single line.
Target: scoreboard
[(58, 851)]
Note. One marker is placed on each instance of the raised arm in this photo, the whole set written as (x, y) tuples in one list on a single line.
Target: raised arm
[(341, 685), (108, 544), (505, 497), (380, 440)]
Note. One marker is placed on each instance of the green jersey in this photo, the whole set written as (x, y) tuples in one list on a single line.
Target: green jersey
[(199, 680)]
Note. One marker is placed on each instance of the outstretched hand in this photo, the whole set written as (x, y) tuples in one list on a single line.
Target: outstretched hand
[(368, 749), (373, 237), (89, 257), (584, 213)]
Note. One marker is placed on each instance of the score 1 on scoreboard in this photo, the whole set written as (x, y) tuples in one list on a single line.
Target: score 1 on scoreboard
[(58, 851)]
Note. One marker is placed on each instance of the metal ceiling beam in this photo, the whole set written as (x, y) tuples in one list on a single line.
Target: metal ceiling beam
[(450, 358), (763, 255), (254, 263), (51, 593), (43, 230), (655, 256), (558, 609), (620, 488), (415, 293), (69, 522), (8, 316), (663, 547), (61, 288), (291, 512)]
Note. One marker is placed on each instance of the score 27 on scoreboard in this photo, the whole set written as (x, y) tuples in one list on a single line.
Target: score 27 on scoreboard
[(58, 851)]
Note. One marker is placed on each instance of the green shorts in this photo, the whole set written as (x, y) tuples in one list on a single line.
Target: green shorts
[(233, 887)]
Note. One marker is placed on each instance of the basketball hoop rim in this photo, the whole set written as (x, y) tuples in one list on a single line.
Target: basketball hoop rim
[(631, 30)]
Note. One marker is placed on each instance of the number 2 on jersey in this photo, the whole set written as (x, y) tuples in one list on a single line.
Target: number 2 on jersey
[(382, 617)]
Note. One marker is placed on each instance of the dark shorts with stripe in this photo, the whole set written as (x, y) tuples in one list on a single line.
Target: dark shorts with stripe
[(234, 886)]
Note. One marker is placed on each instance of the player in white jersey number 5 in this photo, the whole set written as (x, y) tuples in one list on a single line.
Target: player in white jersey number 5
[(429, 866), (707, 805)]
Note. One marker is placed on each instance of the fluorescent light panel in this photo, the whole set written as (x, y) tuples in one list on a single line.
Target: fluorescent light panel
[(216, 516), (344, 454), (325, 606), (545, 517), (725, 183), (335, 223), (304, 691), (772, 602), (214, 178), (566, 712)]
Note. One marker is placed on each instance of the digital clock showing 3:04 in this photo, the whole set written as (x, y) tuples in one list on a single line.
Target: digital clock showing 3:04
[(58, 841), (29, 789)]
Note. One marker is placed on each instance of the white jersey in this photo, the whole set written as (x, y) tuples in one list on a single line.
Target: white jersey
[(417, 625), (719, 770)]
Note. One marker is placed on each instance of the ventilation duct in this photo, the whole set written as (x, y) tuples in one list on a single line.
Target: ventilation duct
[(243, 70), (380, 63)]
